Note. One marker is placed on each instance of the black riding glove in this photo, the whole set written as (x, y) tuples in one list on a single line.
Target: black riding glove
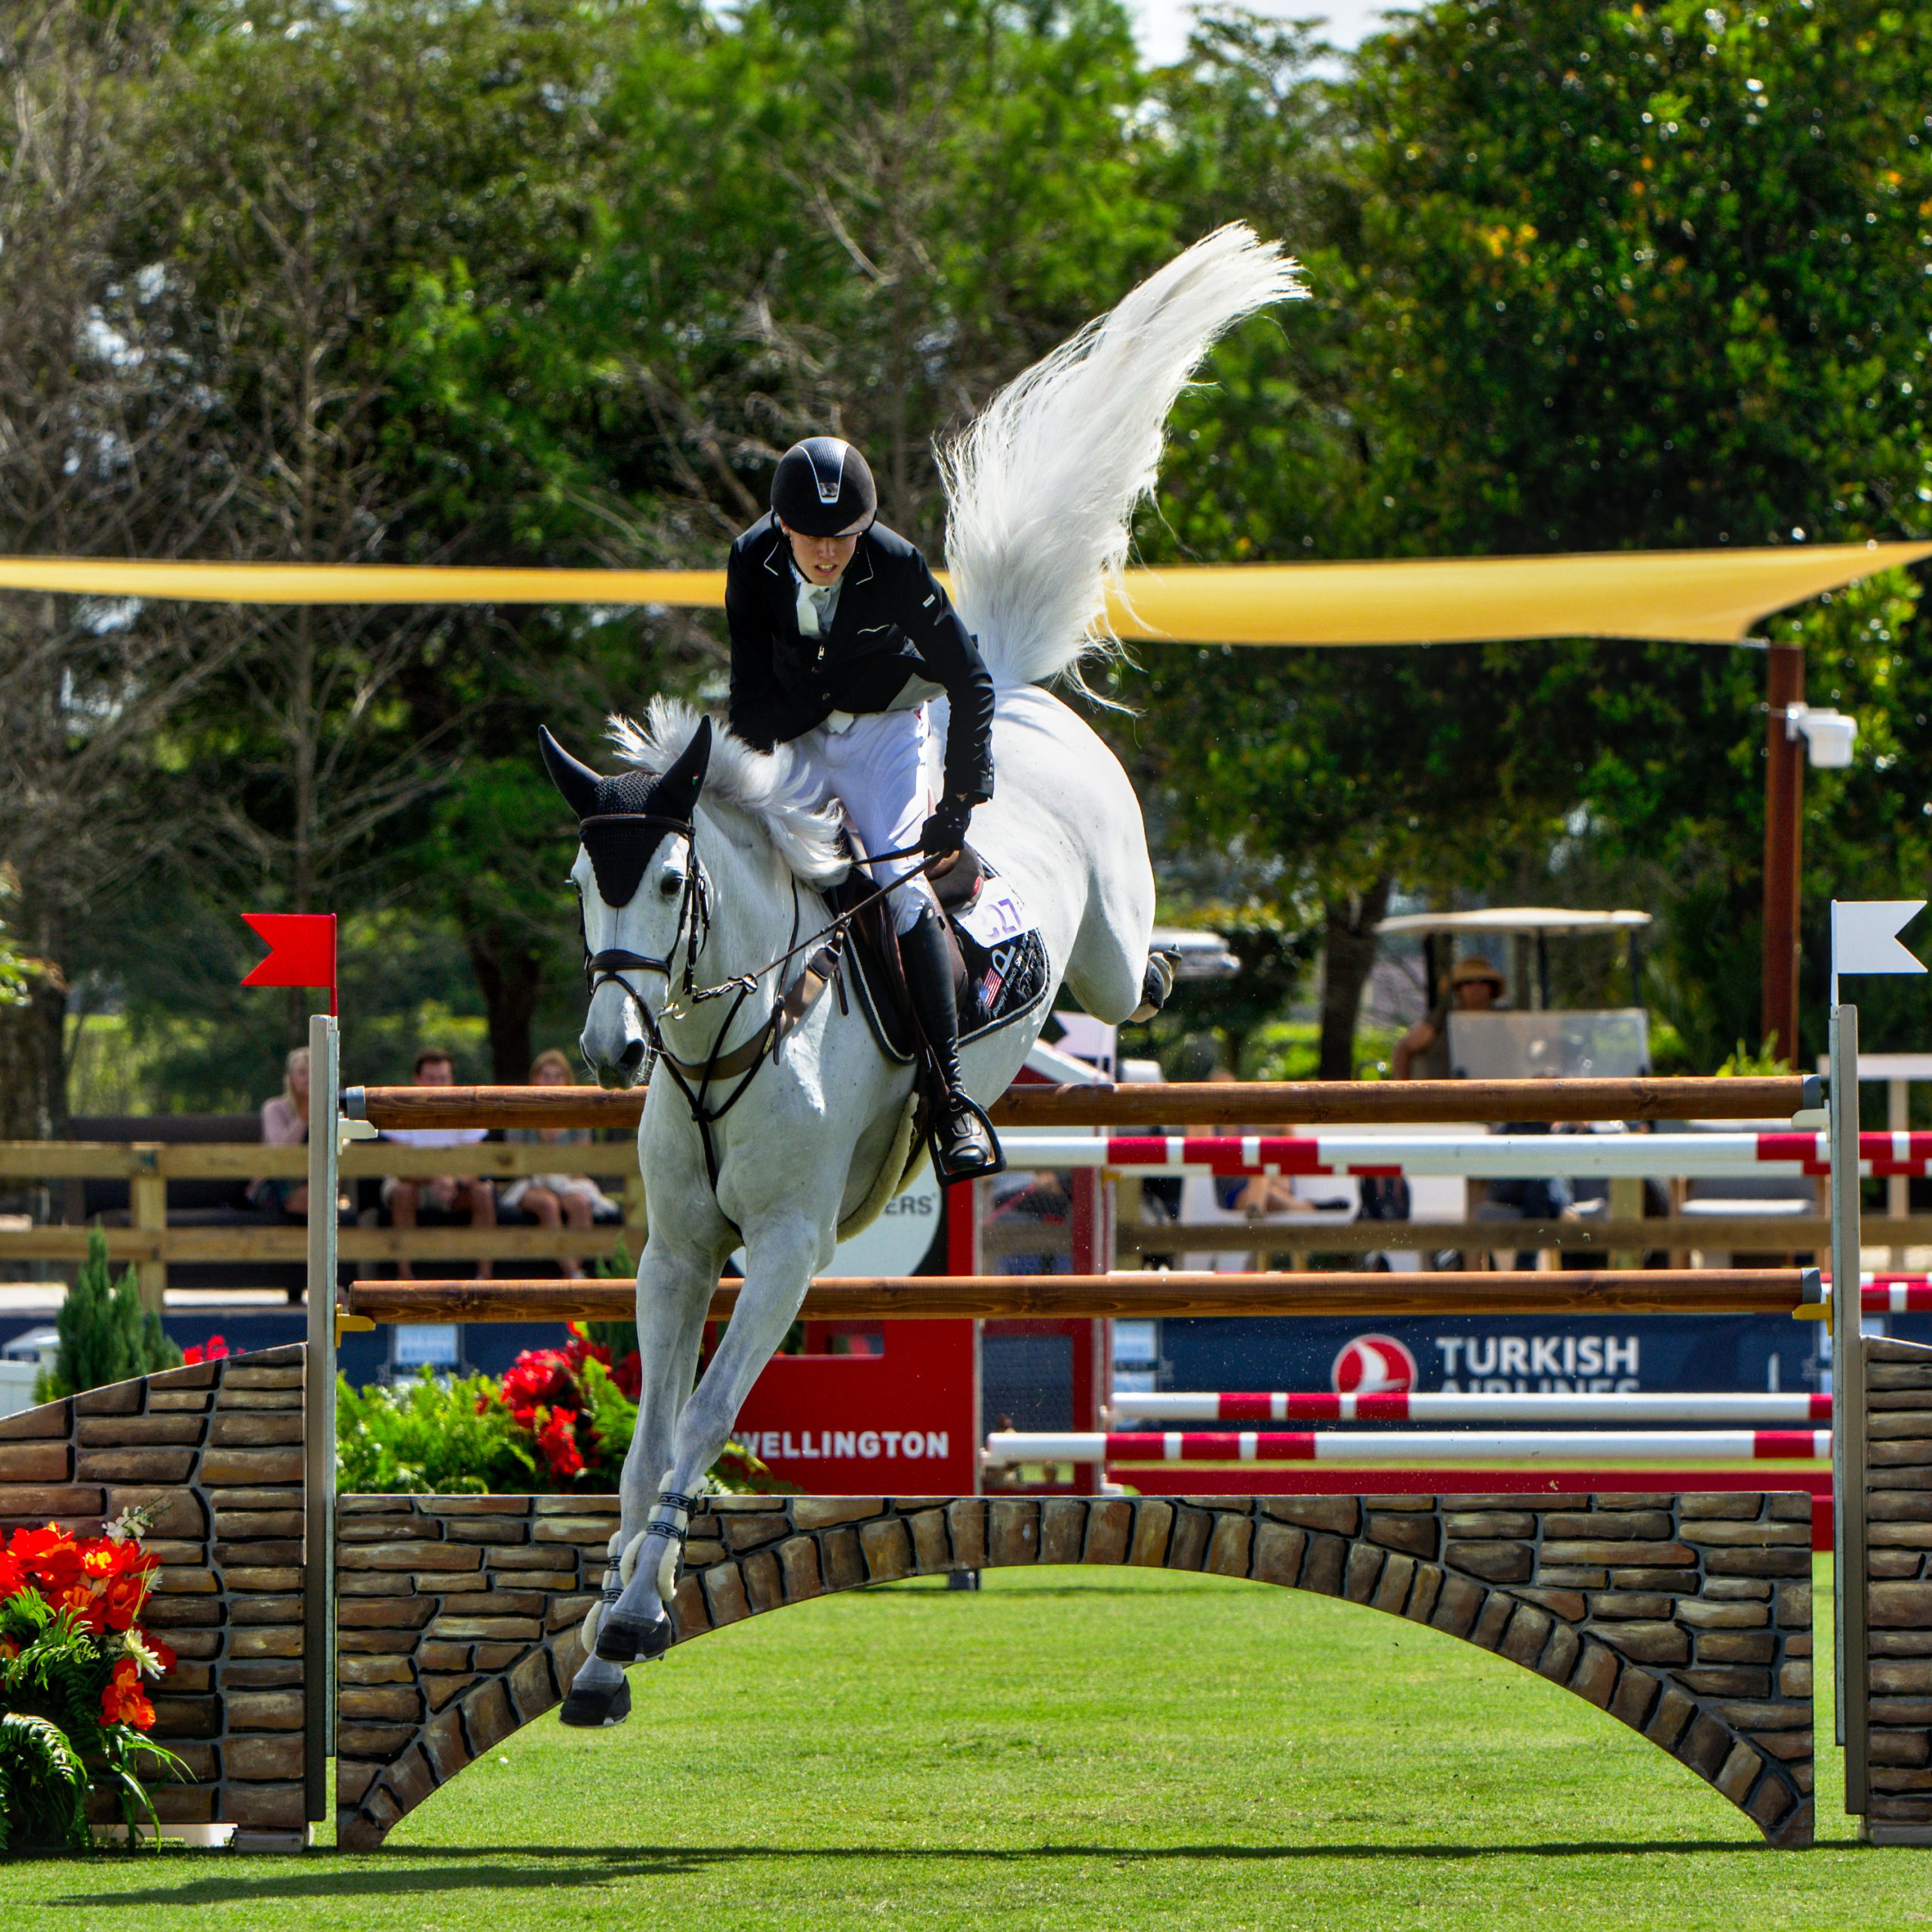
[(946, 830)]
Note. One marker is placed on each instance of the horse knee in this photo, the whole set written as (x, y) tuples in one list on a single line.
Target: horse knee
[(1110, 988)]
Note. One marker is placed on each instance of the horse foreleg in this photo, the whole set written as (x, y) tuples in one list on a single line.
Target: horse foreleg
[(674, 1294), (780, 1260)]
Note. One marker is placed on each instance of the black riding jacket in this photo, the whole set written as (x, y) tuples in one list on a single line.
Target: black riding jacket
[(893, 622)]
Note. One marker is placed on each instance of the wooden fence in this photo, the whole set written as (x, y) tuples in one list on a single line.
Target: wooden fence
[(151, 1244)]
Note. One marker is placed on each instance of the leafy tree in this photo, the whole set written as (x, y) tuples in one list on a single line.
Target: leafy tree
[(1600, 276), (91, 461), (859, 217), (502, 845), (384, 380), (1651, 275), (32, 996), (550, 281), (1305, 783)]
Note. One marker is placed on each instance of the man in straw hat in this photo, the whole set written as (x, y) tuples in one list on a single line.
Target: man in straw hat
[(1422, 1052)]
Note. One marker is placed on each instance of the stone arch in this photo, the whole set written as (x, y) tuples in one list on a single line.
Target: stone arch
[(1687, 1616)]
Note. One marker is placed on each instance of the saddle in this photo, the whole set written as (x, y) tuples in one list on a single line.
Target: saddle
[(993, 983)]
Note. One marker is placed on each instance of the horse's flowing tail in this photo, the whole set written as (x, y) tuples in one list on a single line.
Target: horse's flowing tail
[(1042, 484)]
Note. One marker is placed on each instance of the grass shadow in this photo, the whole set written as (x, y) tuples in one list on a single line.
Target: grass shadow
[(404, 1870)]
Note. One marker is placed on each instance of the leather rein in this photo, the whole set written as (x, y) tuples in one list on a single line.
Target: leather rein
[(694, 1079)]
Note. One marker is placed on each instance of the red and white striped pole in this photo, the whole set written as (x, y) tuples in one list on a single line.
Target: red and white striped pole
[(1455, 1406), (1479, 1156), (1249, 1445)]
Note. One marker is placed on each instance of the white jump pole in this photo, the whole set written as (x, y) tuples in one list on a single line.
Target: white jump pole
[(1249, 1445)]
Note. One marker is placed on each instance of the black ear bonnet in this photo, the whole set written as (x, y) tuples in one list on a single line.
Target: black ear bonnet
[(623, 820)]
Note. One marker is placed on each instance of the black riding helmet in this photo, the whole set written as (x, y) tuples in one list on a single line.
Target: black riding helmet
[(822, 488)]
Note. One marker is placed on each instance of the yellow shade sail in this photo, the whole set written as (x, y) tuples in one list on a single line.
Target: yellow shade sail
[(1691, 596), (1695, 596), (359, 584)]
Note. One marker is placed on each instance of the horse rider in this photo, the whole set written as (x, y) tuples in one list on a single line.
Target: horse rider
[(839, 634)]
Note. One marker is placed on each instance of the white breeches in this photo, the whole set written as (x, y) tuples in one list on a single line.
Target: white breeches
[(877, 768)]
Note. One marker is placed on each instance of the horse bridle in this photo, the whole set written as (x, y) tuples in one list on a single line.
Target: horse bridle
[(788, 1006), (609, 966)]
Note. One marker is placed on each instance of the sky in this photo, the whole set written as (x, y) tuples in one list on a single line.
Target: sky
[(1163, 24)]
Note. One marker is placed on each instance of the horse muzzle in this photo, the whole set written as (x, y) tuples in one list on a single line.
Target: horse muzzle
[(613, 1042)]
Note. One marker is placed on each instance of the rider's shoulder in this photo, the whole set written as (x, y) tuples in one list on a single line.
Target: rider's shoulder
[(888, 544), (753, 542)]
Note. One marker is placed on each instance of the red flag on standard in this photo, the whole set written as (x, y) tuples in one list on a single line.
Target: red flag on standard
[(301, 950)]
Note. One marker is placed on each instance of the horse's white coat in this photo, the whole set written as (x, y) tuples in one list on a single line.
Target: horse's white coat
[(1041, 486)]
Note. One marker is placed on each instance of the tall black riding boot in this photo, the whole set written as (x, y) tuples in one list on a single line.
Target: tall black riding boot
[(963, 1142)]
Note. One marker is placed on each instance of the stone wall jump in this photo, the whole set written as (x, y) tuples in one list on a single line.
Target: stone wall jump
[(1898, 1489), (215, 1453), (1687, 1616)]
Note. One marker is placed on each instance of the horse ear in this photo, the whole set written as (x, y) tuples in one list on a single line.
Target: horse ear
[(675, 794), (576, 781)]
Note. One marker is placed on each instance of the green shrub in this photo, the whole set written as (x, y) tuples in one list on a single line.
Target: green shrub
[(557, 1423), (452, 1438), (1743, 1064), (105, 1334)]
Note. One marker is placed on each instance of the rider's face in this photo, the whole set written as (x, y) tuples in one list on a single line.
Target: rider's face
[(823, 559)]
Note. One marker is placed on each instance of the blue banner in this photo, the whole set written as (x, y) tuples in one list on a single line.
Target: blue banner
[(1499, 1354)]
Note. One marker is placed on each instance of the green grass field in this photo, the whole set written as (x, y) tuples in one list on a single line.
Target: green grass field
[(1119, 1750)]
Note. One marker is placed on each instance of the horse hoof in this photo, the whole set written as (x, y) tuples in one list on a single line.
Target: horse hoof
[(593, 1710), (623, 1640), (1157, 982)]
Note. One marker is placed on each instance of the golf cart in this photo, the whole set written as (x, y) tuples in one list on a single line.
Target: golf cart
[(1531, 1040)]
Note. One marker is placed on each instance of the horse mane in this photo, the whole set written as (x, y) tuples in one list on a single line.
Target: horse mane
[(774, 788)]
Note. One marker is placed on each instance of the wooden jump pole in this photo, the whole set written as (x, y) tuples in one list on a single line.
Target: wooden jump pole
[(1617, 1292), (1168, 1103)]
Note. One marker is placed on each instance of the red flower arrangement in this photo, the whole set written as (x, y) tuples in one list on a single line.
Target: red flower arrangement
[(548, 1392), (99, 1583), (557, 1440), (123, 1701), (74, 1661), (212, 1350)]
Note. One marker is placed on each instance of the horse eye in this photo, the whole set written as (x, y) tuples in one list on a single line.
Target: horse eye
[(671, 884)]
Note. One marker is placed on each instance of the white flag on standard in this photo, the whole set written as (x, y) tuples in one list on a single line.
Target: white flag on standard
[(1865, 937)]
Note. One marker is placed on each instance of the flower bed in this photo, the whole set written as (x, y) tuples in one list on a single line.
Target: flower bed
[(558, 1422)]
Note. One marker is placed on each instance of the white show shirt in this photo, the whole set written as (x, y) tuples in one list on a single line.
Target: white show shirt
[(818, 604)]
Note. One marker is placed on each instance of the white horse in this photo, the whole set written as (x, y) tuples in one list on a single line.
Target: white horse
[(704, 861)]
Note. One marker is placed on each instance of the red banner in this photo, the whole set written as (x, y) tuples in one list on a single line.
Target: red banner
[(903, 1421)]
